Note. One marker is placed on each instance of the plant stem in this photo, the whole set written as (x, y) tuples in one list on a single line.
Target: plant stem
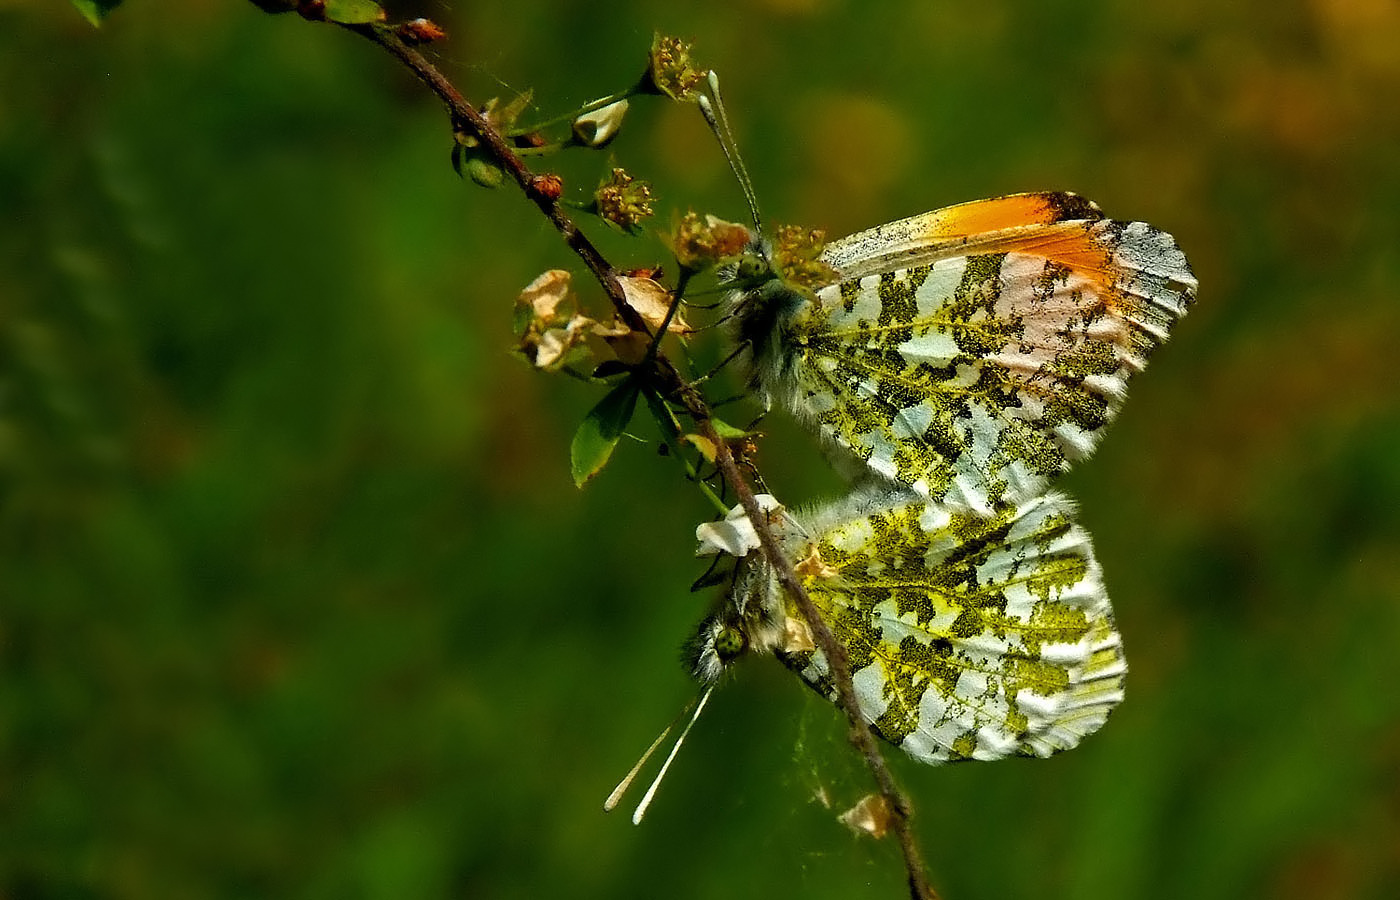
[(668, 382), (570, 116), (681, 282), (543, 149)]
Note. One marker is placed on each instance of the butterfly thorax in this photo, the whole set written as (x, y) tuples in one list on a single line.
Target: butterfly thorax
[(765, 318), (764, 305)]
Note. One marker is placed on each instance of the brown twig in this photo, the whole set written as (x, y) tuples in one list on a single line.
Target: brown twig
[(668, 379), (900, 809)]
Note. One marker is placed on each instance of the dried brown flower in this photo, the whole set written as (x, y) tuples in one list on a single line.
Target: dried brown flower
[(700, 244)]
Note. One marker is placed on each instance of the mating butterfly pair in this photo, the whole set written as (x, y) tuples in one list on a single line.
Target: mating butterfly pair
[(957, 362)]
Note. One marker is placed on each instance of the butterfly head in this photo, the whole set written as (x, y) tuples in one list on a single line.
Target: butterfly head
[(751, 618), (716, 644), (755, 266)]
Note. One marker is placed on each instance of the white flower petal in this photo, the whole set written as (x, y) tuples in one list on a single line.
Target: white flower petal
[(735, 534)]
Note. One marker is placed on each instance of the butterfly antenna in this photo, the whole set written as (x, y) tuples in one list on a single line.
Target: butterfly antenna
[(675, 748), (622, 786), (719, 124)]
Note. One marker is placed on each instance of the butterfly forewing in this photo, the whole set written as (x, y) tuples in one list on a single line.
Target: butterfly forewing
[(969, 636), (963, 228), (975, 377)]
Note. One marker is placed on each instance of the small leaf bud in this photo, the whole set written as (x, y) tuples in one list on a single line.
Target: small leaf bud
[(483, 171), (548, 184), (420, 31), (502, 117)]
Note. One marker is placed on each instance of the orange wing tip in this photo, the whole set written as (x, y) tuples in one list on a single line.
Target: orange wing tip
[(1011, 211)]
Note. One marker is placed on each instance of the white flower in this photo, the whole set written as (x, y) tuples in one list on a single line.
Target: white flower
[(734, 534)]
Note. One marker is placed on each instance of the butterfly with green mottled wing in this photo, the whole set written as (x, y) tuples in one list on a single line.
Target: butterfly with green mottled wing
[(969, 636), (971, 353)]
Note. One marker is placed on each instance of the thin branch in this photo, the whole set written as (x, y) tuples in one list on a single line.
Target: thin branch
[(669, 381), (901, 811)]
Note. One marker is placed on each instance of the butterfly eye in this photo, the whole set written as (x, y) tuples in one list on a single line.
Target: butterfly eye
[(729, 643)]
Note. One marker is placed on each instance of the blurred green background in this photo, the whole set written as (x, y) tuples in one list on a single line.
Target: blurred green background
[(297, 598)]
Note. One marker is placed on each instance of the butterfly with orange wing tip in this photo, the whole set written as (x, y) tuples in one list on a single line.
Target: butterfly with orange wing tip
[(972, 353)]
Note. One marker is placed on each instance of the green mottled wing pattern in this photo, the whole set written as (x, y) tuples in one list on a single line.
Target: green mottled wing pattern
[(973, 368), (970, 636)]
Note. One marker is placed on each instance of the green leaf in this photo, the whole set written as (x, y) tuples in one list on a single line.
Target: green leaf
[(610, 367), (521, 319), (665, 418), (96, 10), (601, 429), (354, 12), (726, 431), (703, 444)]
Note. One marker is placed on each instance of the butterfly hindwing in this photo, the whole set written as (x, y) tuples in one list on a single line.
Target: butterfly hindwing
[(969, 636), (975, 366)]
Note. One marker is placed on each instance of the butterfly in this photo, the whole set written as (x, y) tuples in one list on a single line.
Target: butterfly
[(971, 353), (969, 636)]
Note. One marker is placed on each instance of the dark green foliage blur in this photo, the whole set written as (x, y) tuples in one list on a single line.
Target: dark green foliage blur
[(297, 598)]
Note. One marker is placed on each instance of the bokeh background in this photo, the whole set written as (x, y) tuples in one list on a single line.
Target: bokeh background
[(297, 598)]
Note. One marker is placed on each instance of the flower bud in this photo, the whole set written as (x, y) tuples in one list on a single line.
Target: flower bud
[(599, 127), (484, 172), (348, 12)]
